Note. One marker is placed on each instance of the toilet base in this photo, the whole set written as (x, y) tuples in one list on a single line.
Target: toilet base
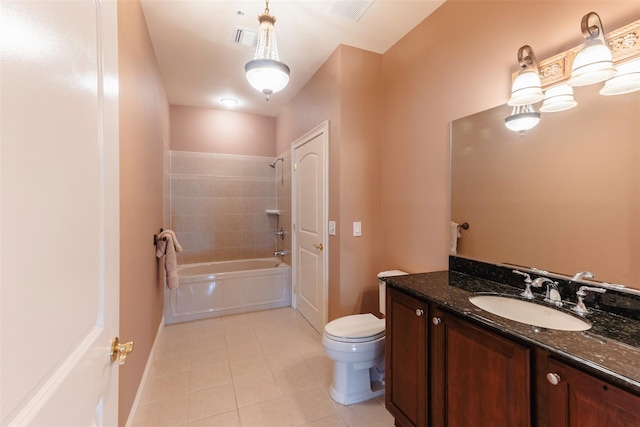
[(363, 384)]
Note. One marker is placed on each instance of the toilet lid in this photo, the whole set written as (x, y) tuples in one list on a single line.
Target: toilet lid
[(355, 328)]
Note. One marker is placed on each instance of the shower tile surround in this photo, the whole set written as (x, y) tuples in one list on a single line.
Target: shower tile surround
[(218, 203)]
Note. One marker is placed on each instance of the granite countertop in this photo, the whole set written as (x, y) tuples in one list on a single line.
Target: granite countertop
[(609, 348)]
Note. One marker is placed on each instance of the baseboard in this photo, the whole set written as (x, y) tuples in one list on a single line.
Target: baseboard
[(145, 374)]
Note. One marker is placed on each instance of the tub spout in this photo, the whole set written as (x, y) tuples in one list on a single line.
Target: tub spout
[(280, 253)]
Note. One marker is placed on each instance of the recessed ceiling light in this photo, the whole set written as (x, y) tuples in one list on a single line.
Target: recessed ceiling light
[(229, 102)]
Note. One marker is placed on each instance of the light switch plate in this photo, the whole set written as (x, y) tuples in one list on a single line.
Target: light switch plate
[(332, 228), (357, 229)]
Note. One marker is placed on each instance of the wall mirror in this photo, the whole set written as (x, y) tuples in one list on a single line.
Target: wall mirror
[(563, 197)]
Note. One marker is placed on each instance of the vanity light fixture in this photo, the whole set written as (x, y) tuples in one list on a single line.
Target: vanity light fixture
[(627, 80), (594, 63), (526, 87), (522, 119), (265, 72), (558, 98)]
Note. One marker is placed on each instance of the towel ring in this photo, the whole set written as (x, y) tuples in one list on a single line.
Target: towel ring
[(464, 226), (155, 238)]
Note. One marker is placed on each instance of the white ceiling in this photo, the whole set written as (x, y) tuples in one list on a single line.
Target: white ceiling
[(200, 64)]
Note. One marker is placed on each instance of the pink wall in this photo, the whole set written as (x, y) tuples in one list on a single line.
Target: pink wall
[(346, 91), (207, 130), (457, 62), (144, 132)]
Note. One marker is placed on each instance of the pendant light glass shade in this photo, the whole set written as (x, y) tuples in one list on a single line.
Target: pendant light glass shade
[(526, 87), (522, 119), (265, 72), (627, 80), (594, 62), (558, 98)]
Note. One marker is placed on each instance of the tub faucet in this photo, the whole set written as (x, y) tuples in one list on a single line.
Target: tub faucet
[(582, 275), (280, 253)]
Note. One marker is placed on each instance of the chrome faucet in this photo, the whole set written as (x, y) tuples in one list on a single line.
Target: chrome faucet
[(537, 283), (582, 275), (553, 294), (580, 308), (527, 282), (280, 253)]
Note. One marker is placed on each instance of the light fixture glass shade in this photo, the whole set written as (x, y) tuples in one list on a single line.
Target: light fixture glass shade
[(526, 89), (265, 72), (593, 64), (627, 80), (558, 98), (267, 75), (522, 119)]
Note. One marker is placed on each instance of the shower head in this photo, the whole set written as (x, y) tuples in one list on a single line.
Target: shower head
[(273, 164)]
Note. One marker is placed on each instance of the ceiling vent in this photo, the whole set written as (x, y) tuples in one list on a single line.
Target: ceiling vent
[(244, 36), (350, 9)]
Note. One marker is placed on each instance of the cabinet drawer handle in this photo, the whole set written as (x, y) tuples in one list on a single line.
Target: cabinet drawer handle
[(419, 312), (436, 320), (553, 378)]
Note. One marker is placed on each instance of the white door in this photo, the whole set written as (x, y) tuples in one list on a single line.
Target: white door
[(310, 212), (59, 249)]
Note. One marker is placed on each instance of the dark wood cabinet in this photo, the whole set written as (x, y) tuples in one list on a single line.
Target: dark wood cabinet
[(406, 347), (446, 371), (577, 399), (478, 378)]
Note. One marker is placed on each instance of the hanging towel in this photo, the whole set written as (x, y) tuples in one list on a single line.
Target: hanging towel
[(166, 250), (454, 234)]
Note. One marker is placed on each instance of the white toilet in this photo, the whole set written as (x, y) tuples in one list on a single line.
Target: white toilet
[(356, 345)]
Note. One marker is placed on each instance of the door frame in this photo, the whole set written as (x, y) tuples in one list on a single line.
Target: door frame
[(320, 130)]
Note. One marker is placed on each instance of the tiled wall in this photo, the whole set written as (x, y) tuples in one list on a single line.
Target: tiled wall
[(218, 205)]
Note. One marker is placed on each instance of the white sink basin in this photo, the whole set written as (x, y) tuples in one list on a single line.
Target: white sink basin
[(529, 313)]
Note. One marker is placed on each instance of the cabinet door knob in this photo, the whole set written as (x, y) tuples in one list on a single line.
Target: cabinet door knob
[(436, 320), (419, 312), (553, 378)]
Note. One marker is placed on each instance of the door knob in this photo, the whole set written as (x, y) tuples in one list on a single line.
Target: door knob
[(318, 247), (120, 350), (553, 378)]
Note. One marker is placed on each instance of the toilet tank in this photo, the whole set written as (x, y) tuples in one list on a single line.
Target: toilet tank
[(382, 287)]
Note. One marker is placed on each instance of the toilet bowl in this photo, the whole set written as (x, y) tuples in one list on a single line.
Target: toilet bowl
[(356, 345)]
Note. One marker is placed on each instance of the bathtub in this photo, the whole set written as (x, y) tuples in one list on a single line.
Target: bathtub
[(219, 288)]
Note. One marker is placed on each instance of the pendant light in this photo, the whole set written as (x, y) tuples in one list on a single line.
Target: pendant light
[(594, 63), (265, 72)]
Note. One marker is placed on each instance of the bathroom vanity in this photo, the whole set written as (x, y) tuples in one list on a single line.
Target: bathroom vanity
[(449, 363)]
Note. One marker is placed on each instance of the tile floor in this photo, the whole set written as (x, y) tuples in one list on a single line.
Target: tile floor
[(263, 369)]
